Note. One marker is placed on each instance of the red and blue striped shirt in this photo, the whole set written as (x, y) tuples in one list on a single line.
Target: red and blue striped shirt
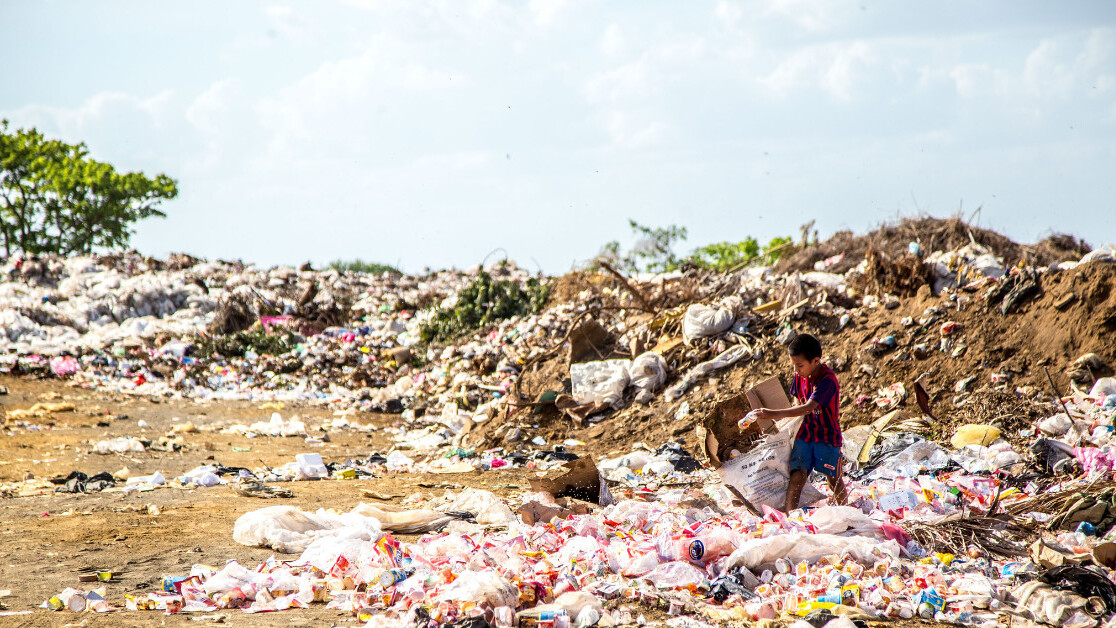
[(820, 425)]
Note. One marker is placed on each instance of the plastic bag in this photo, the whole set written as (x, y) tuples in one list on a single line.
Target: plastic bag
[(728, 357), (983, 435), (1103, 387), (119, 446), (922, 455), (288, 530), (487, 587), (755, 553), (676, 575), (404, 521), (1056, 425), (648, 371), (602, 381), (762, 473), (705, 320), (842, 519), (1038, 601), (323, 552), (278, 427), (489, 509)]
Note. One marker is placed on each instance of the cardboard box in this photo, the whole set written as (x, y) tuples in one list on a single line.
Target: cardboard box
[(718, 434)]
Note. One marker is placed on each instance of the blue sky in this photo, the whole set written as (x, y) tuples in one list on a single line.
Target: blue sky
[(431, 133)]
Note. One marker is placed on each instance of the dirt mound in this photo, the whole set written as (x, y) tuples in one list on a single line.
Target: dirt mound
[(991, 369), (932, 234)]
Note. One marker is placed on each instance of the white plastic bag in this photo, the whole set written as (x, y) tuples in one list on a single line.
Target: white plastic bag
[(676, 575), (489, 509), (601, 381), (485, 586), (762, 473), (727, 357), (288, 530), (648, 371), (278, 427), (119, 446), (754, 553), (843, 520), (1105, 386), (705, 320)]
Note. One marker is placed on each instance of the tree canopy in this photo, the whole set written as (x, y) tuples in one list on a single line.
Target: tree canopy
[(55, 199)]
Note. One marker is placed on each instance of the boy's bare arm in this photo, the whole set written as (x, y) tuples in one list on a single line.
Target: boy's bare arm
[(793, 411)]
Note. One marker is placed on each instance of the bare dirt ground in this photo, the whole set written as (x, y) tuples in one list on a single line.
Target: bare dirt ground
[(47, 539)]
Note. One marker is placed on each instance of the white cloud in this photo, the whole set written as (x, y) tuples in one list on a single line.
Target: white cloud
[(631, 81), (612, 41), (728, 13), (545, 12), (1061, 69), (834, 68)]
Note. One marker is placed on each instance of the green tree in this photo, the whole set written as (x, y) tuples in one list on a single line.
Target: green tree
[(723, 256), (55, 199), (485, 300), (360, 266), (653, 250)]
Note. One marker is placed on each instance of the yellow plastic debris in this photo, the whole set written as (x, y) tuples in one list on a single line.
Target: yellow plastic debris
[(983, 435)]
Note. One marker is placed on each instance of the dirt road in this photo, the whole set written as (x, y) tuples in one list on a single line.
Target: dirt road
[(49, 538)]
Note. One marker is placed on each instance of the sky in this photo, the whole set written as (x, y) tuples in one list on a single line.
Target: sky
[(445, 132)]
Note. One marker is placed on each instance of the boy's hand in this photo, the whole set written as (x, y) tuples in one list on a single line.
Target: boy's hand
[(763, 413)]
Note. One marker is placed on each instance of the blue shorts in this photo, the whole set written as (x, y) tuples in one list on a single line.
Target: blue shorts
[(820, 457)]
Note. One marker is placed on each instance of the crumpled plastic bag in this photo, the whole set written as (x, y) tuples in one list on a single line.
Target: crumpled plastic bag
[(64, 366), (278, 427), (600, 381), (119, 445), (919, 456), (1103, 387), (1038, 601), (404, 521), (705, 320), (755, 553), (842, 520), (648, 371), (676, 575), (489, 509), (727, 357), (486, 586), (976, 434), (288, 530)]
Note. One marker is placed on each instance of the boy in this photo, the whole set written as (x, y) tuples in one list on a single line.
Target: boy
[(817, 447)]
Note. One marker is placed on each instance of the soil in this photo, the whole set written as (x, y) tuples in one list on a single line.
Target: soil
[(144, 536), (1017, 345), (49, 538), (148, 535), (932, 234)]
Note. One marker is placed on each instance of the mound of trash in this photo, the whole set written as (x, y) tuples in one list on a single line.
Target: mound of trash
[(977, 403)]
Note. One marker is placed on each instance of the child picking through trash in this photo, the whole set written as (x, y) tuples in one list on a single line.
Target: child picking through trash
[(817, 447)]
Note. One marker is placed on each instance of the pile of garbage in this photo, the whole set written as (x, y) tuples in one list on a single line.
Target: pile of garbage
[(977, 490), (656, 532)]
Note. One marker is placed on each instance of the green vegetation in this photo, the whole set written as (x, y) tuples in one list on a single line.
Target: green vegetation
[(482, 302), (654, 252), (360, 266), (256, 339), (55, 199), (722, 256)]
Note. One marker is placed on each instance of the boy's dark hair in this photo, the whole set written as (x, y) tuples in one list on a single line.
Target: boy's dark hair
[(806, 346)]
